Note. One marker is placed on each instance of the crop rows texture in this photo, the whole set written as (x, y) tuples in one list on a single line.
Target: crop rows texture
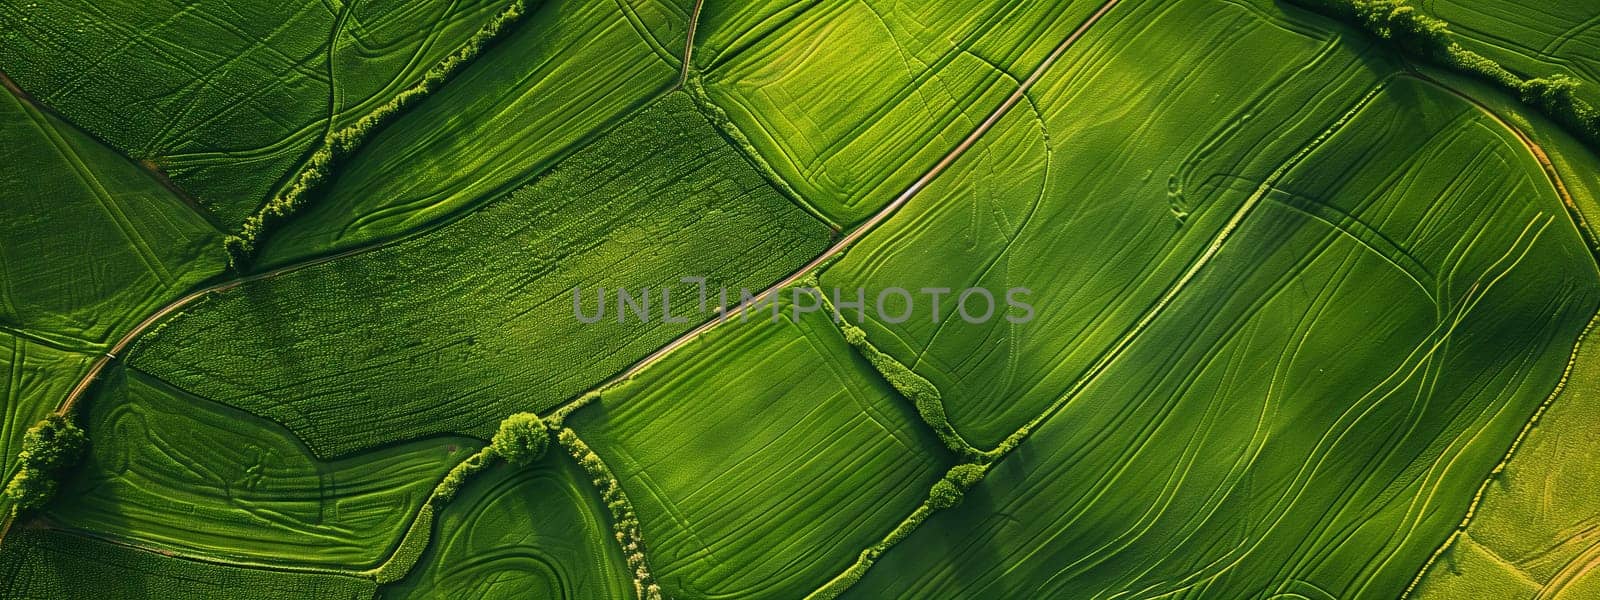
[(1298, 294), (474, 321), (55, 565), (228, 98)]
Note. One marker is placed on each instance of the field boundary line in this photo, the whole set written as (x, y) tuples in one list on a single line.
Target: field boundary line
[(1588, 237)]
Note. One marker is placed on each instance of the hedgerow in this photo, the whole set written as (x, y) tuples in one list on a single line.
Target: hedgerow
[(49, 449), (337, 144), (1430, 38), (947, 492), (624, 521), (921, 392)]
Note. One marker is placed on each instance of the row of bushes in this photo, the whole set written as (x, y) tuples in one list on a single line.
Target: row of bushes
[(1430, 38), (916, 388), (49, 449), (624, 521), (947, 492), (337, 144), (521, 440)]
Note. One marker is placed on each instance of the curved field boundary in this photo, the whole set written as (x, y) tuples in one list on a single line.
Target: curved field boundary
[(1594, 248)]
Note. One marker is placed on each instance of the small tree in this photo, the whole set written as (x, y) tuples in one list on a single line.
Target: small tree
[(522, 439), (49, 448)]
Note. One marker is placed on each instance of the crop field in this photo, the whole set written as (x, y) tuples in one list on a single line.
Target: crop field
[(1558, 36), (42, 564), (533, 532), (442, 342), (706, 299), (722, 448), (226, 97), (253, 492)]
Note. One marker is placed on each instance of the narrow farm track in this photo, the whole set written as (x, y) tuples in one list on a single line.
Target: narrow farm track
[(688, 43), (866, 226), (1538, 153)]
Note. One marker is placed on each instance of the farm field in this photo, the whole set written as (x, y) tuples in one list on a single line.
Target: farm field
[(251, 490), (226, 98), (1560, 36), (762, 459), (52, 564), (537, 531), (441, 343), (521, 298)]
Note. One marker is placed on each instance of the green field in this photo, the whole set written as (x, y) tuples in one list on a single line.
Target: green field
[(571, 72), (447, 339), (762, 459), (54, 565), (535, 532), (248, 489), (1288, 299), (1557, 36), (226, 98)]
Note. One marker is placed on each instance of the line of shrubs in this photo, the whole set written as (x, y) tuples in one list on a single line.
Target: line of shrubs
[(338, 144), (947, 492), (624, 521), (1430, 38), (522, 439)]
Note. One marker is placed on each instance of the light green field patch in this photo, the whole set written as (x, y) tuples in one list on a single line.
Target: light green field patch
[(761, 459), (1532, 39), (245, 488), (1534, 529), (1310, 407), (559, 78), (226, 97), (1094, 197), (535, 532), (44, 564), (455, 330), (850, 102), (92, 242)]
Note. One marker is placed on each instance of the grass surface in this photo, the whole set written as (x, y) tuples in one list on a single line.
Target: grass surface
[(762, 459), (226, 97), (563, 75), (54, 565), (1404, 284), (788, 79), (454, 330), (519, 533), (1536, 40), (92, 242), (249, 491), (1304, 304)]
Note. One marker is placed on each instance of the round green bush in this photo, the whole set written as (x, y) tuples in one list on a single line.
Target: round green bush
[(522, 439)]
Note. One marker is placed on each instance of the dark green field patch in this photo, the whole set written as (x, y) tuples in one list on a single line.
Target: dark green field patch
[(226, 97), (56, 565), (454, 330)]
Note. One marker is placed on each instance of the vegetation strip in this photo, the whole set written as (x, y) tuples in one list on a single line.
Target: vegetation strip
[(1472, 509), (947, 492), (335, 145), (624, 521), (1430, 38), (924, 396)]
